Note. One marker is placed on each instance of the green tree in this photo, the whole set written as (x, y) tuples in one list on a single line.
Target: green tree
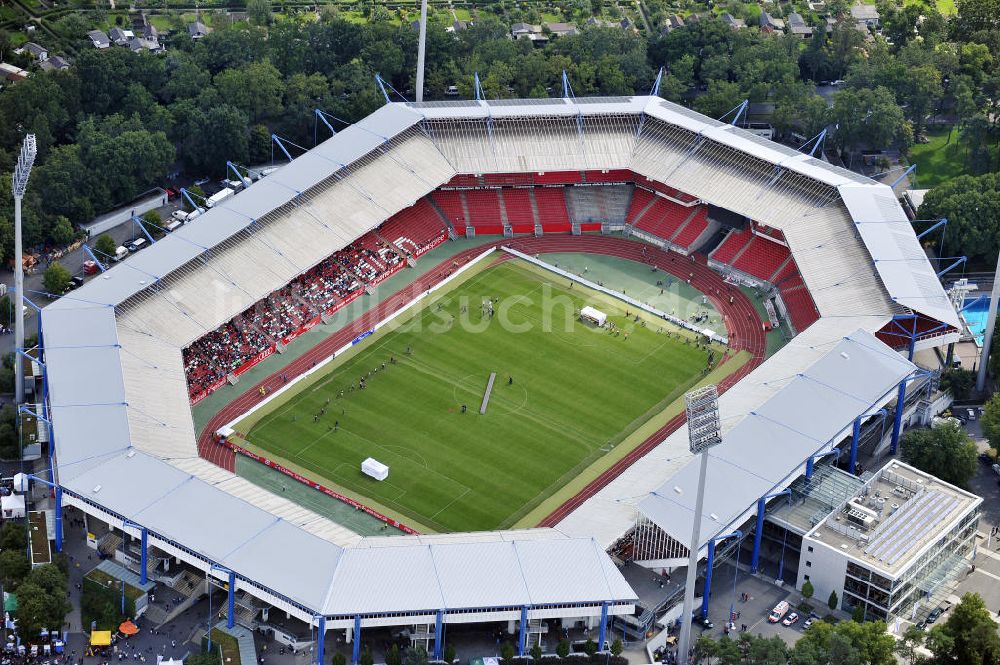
[(366, 657), (990, 420), (617, 647), (705, 649), (393, 657), (153, 218), (259, 11), (14, 567), (908, 645), (958, 382), (507, 651), (13, 535), (971, 632), (721, 97), (62, 231), (971, 205), (807, 590), (562, 649), (415, 656), (945, 451), (56, 278), (338, 659), (536, 652), (590, 647), (832, 602), (105, 247), (869, 118)]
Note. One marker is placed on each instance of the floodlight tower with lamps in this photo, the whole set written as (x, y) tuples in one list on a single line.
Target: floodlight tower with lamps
[(704, 432), (21, 174)]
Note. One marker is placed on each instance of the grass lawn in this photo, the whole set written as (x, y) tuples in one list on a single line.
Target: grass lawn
[(229, 646), (109, 582), (577, 392), (939, 160)]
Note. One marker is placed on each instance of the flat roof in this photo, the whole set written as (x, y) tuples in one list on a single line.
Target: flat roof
[(910, 510)]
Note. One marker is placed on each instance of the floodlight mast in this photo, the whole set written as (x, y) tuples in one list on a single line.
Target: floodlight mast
[(421, 50), (704, 432), (991, 322), (20, 184)]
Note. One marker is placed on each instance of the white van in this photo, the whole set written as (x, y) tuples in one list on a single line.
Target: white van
[(173, 226), (120, 253), (779, 611)]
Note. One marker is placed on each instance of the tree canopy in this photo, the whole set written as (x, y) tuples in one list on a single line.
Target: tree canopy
[(945, 451)]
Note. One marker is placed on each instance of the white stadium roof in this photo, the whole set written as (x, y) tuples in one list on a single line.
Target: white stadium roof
[(123, 430)]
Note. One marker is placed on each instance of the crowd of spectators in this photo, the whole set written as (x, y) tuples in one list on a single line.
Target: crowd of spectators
[(321, 289)]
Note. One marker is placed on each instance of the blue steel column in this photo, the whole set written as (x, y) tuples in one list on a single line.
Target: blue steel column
[(58, 511), (356, 654), (603, 632), (708, 578), (809, 468), (897, 423), (438, 642), (143, 555), (522, 631), (853, 461), (231, 608), (320, 639), (758, 534)]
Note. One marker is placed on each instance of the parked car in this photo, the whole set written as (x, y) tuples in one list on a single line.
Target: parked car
[(934, 615), (996, 469), (970, 414), (808, 622), (790, 619), (985, 459), (704, 622), (90, 268)]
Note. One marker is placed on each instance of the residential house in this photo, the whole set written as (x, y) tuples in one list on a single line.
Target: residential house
[(561, 29), (526, 31), (150, 32), (55, 63), (10, 72), (120, 36), (771, 24), (39, 53), (693, 18), (197, 30), (99, 39), (673, 22), (459, 26), (798, 26), (865, 14), (142, 44), (733, 22)]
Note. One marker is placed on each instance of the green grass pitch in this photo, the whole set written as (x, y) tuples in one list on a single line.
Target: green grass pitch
[(577, 391)]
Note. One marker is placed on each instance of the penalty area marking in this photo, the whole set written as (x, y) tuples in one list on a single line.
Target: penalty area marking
[(486, 396)]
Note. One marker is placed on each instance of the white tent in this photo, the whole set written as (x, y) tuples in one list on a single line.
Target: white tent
[(12, 506), (588, 313), (372, 467)]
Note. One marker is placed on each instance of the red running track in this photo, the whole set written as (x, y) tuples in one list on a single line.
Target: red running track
[(743, 324)]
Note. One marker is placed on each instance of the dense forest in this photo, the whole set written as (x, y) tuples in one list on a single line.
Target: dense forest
[(118, 122)]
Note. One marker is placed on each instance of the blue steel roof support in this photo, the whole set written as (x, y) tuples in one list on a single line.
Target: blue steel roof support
[(655, 92)]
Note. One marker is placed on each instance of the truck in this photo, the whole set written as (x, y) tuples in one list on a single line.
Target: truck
[(219, 197), (779, 611), (184, 217)]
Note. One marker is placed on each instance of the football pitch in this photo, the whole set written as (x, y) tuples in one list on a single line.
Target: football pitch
[(566, 394)]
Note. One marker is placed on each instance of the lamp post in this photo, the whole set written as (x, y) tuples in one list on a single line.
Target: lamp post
[(20, 183), (704, 432)]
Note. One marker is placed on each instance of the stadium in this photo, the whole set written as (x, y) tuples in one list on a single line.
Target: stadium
[(497, 188)]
